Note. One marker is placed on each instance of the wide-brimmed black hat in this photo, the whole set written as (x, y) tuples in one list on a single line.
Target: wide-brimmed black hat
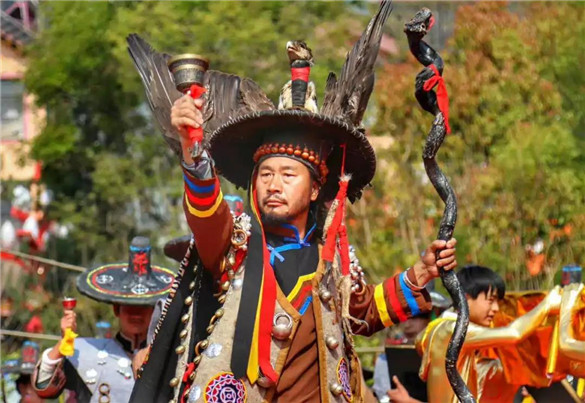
[(235, 144), (242, 126), (134, 283), (298, 129)]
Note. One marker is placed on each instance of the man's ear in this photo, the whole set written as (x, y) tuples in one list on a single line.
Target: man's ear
[(315, 191)]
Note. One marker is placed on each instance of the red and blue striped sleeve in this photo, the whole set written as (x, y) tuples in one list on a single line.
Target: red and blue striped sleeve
[(209, 218), (388, 303)]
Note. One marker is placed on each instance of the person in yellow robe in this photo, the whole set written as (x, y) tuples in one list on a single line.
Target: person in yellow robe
[(485, 377)]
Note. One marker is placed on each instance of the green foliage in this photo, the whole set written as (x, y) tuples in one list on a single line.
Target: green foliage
[(112, 174), (516, 88), (514, 158)]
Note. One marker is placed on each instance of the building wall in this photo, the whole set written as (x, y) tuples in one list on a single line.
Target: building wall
[(14, 161)]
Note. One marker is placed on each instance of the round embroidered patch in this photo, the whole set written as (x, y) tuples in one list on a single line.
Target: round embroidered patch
[(343, 378), (224, 388)]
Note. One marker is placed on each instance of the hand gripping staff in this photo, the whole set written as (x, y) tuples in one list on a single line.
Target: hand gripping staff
[(438, 105), (189, 71)]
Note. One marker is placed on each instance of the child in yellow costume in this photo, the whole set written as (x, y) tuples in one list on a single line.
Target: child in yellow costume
[(485, 376)]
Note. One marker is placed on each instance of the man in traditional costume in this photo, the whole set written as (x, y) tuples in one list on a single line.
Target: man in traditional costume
[(266, 304), (99, 370)]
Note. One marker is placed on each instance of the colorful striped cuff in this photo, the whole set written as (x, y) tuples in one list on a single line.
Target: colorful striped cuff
[(407, 292), (202, 202), (394, 300), (381, 306), (191, 184), (203, 213)]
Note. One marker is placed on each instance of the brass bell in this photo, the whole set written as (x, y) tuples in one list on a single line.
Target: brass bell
[(336, 389), (221, 299), (180, 350), (264, 382), (332, 342), (192, 285), (197, 360), (219, 313), (192, 376), (281, 326), (188, 300), (203, 344), (225, 286), (185, 318), (174, 382), (210, 328), (325, 295)]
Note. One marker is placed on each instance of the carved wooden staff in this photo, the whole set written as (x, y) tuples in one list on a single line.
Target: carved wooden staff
[(438, 104)]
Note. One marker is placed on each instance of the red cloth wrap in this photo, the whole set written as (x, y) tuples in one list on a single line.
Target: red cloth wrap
[(442, 96), (300, 73), (196, 134)]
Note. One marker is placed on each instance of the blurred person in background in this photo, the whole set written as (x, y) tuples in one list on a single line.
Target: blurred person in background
[(23, 367), (99, 369)]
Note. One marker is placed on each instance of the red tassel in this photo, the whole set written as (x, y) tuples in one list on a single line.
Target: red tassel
[(329, 248), (344, 249), (442, 96)]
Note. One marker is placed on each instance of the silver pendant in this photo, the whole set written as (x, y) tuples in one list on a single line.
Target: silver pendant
[(194, 394), (237, 283), (282, 326), (213, 350), (102, 355), (90, 376), (123, 362)]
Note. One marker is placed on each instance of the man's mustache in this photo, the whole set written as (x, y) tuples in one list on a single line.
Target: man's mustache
[(273, 198)]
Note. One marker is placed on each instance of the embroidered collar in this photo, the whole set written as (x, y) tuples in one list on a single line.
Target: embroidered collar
[(290, 238), (128, 344)]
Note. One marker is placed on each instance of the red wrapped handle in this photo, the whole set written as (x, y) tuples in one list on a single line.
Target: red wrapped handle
[(196, 134)]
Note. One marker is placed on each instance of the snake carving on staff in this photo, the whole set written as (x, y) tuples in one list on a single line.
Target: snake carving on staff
[(437, 103)]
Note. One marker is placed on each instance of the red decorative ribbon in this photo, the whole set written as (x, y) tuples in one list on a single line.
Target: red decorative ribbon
[(266, 317), (337, 226), (300, 73), (266, 311), (431, 23), (442, 96)]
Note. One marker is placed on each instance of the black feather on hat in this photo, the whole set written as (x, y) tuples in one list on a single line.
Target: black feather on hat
[(298, 130), (241, 123)]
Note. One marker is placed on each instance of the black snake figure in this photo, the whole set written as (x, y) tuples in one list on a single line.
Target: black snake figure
[(437, 104)]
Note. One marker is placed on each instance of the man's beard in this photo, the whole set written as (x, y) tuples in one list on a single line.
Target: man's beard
[(272, 220)]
